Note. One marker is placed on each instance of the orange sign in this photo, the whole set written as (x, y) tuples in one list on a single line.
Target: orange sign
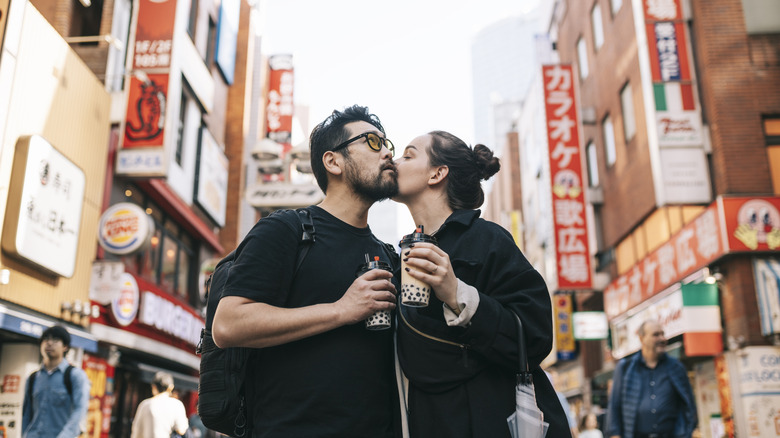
[(568, 198), (145, 116), (280, 107), (101, 400), (154, 34), (753, 224)]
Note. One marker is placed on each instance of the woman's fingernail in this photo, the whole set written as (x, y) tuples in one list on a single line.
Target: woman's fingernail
[(406, 259), (411, 245), (407, 269), (406, 253)]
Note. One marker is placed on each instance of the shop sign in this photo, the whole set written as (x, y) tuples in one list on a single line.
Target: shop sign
[(590, 325), (767, 276), (568, 198), (124, 228), (43, 216), (662, 10), (276, 195), (756, 375), (564, 337), (101, 395), (169, 317), (686, 179), (212, 177), (105, 280), (753, 223), (667, 311), (279, 106), (124, 307), (724, 391), (141, 162)]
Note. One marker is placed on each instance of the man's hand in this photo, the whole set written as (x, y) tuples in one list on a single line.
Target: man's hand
[(370, 292)]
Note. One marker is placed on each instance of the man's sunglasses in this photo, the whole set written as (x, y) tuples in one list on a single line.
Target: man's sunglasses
[(374, 141)]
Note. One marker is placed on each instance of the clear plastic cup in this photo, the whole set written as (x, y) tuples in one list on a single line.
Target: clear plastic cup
[(414, 292), (380, 320)]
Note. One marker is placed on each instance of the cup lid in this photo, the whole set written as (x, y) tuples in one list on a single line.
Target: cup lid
[(418, 236), (374, 264)]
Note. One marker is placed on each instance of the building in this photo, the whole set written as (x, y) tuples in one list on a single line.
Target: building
[(124, 142), (677, 107)]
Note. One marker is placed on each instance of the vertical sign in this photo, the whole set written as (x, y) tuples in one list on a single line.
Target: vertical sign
[(279, 108), (3, 19), (148, 84), (569, 220), (564, 332), (101, 395)]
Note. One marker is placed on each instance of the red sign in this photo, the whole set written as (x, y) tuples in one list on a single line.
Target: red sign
[(145, 116), (154, 34), (101, 395), (727, 225), (568, 198), (280, 107)]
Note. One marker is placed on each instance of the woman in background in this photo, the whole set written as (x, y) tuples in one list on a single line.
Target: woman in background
[(460, 353)]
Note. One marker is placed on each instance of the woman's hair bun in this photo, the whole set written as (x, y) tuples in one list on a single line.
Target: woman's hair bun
[(487, 163)]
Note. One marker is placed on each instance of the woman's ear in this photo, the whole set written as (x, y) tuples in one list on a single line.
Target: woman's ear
[(440, 173), (333, 162)]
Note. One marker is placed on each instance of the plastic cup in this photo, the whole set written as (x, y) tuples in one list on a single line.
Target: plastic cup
[(380, 320), (414, 293)]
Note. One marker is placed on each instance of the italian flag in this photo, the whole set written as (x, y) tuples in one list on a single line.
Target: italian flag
[(673, 96), (701, 316)]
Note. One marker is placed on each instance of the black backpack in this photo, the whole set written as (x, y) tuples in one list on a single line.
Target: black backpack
[(221, 398)]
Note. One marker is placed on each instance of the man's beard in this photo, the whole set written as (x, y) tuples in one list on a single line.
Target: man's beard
[(373, 189)]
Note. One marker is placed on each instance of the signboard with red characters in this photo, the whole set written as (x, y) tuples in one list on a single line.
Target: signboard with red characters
[(568, 198), (280, 107), (101, 395)]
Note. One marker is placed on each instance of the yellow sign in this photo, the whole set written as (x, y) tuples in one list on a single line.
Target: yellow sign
[(564, 333)]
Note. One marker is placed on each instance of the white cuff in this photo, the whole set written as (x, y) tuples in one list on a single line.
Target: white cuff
[(468, 301)]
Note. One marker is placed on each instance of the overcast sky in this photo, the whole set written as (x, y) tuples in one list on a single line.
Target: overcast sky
[(409, 61)]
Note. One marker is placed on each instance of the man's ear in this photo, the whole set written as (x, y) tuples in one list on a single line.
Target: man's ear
[(333, 162), (440, 173)]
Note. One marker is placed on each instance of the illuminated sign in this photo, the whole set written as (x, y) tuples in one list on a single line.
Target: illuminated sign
[(124, 308), (124, 228)]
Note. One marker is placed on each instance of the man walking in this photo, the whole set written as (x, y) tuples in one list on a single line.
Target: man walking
[(651, 394), (161, 414), (318, 371), (56, 396)]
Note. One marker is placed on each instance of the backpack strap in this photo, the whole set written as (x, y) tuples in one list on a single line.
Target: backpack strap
[(68, 381), (307, 236), (30, 383)]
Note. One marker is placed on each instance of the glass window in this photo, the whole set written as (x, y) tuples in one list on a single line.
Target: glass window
[(180, 126), (170, 257), (212, 41), (609, 140), (627, 104), (593, 165), (582, 58), (193, 20), (184, 273), (598, 29), (616, 4)]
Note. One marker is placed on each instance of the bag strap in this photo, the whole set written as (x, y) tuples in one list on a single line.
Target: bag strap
[(524, 374)]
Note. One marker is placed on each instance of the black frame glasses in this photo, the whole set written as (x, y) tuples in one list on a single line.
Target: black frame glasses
[(374, 141)]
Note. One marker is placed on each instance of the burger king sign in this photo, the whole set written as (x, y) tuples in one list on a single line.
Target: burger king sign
[(124, 228)]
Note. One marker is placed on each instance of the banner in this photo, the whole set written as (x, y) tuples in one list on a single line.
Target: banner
[(568, 198), (279, 107)]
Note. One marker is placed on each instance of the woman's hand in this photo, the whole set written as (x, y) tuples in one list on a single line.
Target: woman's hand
[(432, 265)]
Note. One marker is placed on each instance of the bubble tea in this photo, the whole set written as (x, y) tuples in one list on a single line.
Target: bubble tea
[(380, 320), (414, 292)]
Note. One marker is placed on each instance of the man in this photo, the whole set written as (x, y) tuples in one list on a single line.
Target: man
[(319, 372), (651, 394), (56, 396), (161, 414)]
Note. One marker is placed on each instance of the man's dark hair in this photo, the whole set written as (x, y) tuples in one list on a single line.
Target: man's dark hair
[(56, 332), (331, 132), (162, 381)]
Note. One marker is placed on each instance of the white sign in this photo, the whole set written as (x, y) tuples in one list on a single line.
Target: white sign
[(45, 200), (590, 325), (125, 306), (169, 317), (104, 283), (141, 162), (679, 128), (758, 382), (685, 176), (283, 195), (668, 311), (212, 187), (767, 273)]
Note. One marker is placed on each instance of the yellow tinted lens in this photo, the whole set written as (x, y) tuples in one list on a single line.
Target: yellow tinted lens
[(374, 142), (389, 146)]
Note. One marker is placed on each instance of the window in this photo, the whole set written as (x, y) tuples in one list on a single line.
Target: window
[(609, 140), (616, 4), (180, 126), (85, 21), (582, 58), (212, 40), (598, 29), (593, 165), (772, 136), (627, 104), (193, 19), (761, 16)]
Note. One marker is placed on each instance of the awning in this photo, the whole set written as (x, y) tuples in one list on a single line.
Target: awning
[(124, 338), (18, 321)]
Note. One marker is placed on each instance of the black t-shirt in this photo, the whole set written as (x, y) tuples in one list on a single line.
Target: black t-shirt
[(339, 383)]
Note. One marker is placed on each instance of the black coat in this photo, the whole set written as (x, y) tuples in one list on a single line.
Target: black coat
[(465, 385)]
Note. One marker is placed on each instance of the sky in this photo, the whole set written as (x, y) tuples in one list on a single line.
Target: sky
[(409, 61)]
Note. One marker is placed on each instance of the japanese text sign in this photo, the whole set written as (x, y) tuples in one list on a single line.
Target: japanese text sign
[(154, 34), (279, 107), (568, 198)]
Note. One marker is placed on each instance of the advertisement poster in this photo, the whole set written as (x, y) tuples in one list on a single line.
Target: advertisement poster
[(101, 396), (145, 116)]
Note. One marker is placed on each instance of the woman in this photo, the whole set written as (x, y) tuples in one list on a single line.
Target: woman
[(460, 353)]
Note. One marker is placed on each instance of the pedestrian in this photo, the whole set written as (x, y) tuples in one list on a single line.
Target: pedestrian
[(651, 394), (318, 371), (56, 396), (590, 427), (162, 414), (460, 353)]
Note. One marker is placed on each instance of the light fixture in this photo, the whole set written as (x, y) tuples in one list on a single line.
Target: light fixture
[(267, 150), (301, 152), (713, 275), (271, 167)]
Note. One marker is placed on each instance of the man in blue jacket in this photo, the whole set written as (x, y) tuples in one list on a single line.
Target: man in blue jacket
[(651, 394), (56, 396)]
